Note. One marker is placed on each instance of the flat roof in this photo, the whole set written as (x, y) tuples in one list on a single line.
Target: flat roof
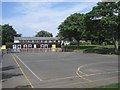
[(36, 38)]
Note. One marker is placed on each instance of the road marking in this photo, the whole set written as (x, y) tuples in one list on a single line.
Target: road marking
[(84, 74), (57, 86), (100, 73), (50, 60), (82, 77), (89, 65), (22, 71), (57, 79), (104, 79), (28, 68)]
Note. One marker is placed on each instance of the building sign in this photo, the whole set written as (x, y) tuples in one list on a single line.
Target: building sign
[(3, 47), (53, 45), (14, 46)]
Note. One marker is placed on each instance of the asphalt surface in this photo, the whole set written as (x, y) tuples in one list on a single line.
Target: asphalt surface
[(58, 70), (12, 77), (0, 69)]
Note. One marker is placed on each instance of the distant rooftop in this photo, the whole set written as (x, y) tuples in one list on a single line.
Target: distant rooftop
[(36, 38)]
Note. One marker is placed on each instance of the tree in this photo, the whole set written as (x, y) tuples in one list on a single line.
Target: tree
[(44, 34), (102, 21), (8, 33), (73, 27)]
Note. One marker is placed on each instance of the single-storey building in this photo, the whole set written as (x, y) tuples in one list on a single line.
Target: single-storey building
[(35, 42)]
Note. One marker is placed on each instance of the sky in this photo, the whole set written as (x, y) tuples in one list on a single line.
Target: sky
[(28, 17)]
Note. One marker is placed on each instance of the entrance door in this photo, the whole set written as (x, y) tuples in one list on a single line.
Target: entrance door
[(34, 45), (41, 45), (46, 46)]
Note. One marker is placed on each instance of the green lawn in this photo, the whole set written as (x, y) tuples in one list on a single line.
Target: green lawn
[(115, 85)]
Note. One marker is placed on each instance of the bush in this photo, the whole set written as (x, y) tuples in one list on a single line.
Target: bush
[(109, 49), (101, 51), (73, 43), (74, 47)]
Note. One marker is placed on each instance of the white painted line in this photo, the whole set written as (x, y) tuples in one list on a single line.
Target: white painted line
[(57, 79), (100, 73), (50, 60), (83, 82), (28, 68), (81, 71), (82, 77), (89, 65)]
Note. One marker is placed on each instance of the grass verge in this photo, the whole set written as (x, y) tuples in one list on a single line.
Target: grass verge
[(114, 85)]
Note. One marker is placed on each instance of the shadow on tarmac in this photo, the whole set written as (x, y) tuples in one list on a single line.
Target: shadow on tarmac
[(8, 68), (23, 86), (6, 76)]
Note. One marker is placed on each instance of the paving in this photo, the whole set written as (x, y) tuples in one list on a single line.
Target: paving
[(59, 70)]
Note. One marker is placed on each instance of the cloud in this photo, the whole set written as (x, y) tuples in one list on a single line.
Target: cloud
[(51, 0), (42, 16), (0, 13)]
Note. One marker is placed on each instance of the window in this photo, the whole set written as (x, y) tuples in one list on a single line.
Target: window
[(29, 45), (41, 41), (21, 41), (25, 46), (32, 41), (35, 41), (19, 46), (50, 41), (45, 41)]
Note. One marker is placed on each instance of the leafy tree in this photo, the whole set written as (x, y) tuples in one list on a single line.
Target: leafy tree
[(8, 33), (44, 34), (73, 27), (102, 21), (58, 35)]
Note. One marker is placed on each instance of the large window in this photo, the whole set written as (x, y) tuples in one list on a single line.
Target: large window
[(45, 41), (50, 41), (32, 41), (35, 41), (29, 45), (41, 41)]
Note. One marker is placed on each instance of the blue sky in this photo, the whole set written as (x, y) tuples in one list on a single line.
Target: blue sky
[(28, 18)]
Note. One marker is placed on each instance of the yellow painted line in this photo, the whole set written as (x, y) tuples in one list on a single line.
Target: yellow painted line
[(22, 71), (79, 71), (90, 65), (82, 77), (56, 86), (93, 80)]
